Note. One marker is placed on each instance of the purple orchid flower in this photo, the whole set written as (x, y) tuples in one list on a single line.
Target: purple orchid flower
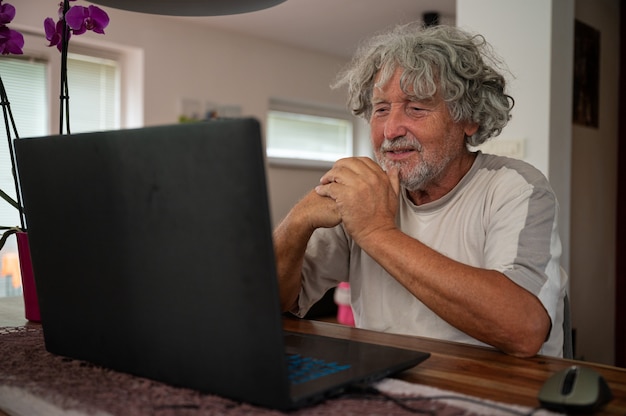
[(81, 19), (7, 13), (11, 41), (54, 32), (78, 20)]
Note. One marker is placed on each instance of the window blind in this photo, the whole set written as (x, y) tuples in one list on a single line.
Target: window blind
[(25, 83), (94, 94)]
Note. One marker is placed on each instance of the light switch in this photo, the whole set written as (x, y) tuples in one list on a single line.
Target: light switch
[(504, 147)]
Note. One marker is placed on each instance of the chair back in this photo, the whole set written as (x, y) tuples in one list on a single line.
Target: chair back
[(568, 342)]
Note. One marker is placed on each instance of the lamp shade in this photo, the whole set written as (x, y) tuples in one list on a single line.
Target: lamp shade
[(189, 7)]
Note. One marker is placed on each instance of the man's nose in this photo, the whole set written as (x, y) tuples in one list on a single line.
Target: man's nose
[(396, 123)]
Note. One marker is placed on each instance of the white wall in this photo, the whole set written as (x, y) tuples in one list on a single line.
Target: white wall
[(523, 35)]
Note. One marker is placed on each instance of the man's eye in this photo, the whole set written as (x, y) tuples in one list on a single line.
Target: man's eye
[(413, 109)]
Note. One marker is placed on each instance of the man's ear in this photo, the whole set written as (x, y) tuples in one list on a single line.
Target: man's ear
[(470, 129)]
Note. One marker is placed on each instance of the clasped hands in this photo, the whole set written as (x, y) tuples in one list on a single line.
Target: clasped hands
[(358, 193)]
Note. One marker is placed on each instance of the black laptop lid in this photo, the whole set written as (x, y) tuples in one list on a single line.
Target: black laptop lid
[(152, 254), (129, 272)]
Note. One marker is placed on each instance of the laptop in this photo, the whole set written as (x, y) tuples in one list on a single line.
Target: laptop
[(152, 253)]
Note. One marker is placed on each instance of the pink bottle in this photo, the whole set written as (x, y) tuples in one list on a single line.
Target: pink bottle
[(342, 299)]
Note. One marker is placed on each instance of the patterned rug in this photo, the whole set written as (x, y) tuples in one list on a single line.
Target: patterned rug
[(36, 382)]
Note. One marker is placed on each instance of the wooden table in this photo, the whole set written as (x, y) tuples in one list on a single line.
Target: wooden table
[(475, 371)]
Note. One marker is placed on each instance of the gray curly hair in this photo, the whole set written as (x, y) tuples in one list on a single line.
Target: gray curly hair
[(461, 66)]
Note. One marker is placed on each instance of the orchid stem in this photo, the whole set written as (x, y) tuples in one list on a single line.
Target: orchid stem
[(8, 117), (64, 107)]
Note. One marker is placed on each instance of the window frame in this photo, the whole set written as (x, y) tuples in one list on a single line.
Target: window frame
[(131, 69)]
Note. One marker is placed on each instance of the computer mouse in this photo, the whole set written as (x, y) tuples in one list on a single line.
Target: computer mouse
[(575, 390)]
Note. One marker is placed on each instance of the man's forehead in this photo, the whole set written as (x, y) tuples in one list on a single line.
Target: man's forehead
[(383, 78), (380, 93), (402, 77)]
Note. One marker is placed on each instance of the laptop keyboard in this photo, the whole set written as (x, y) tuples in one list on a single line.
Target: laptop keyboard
[(303, 369)]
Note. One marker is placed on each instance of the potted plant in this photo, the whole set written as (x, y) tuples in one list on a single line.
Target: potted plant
[(74, 20)]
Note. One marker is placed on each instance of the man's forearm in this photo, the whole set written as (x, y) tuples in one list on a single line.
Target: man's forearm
[(290, 243), (291, 238)]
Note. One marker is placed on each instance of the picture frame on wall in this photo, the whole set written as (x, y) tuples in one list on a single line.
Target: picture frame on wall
[(586, 75)]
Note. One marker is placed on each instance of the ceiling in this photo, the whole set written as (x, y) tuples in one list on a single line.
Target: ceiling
[(329, 26)]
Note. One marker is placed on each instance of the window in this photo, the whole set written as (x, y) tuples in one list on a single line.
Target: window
[(94, 105), (26, 86), (311, 136), (32, 82), (94, 93)]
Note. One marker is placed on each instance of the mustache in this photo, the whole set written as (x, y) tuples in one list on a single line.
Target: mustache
[(400, 143)]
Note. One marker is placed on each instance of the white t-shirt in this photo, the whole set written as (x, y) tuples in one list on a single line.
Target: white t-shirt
[(502, 216)]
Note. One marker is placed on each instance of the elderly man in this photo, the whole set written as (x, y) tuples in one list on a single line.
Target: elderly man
[(436, 240)]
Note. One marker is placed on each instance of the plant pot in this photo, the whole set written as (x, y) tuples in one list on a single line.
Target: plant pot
[(31, 303)]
